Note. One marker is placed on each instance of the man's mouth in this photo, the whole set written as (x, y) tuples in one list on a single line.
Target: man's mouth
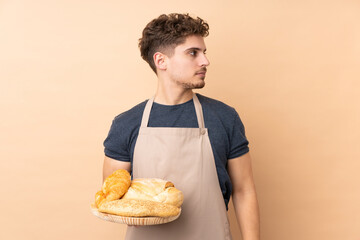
[(201, 73)]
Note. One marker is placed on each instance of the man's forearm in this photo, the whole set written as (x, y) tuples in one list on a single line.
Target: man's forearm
[(247, 214)]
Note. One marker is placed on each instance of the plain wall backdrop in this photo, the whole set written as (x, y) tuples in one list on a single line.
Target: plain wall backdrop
[(290, 68)]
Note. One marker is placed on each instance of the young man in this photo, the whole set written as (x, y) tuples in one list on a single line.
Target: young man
[(196, 142)]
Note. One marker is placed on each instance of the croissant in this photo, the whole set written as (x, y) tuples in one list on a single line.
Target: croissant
[(114, 187)]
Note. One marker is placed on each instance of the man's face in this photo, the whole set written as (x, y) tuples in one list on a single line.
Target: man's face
[(187, 65)]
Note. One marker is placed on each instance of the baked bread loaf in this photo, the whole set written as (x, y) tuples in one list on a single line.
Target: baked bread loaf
[(114, 187), (155, 189), (138, 208), (143, 197)]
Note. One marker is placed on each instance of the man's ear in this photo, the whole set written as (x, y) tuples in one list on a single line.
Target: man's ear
[(160, 60)]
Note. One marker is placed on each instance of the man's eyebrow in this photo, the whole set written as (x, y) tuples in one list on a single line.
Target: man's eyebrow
[(194, 48)]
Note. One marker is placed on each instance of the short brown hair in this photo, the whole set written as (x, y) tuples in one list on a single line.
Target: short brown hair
[(166, 32)]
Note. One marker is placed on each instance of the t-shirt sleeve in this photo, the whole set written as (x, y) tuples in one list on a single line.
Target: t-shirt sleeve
[(238, 141), (116, 143)]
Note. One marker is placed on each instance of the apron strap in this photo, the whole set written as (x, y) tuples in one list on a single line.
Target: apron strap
[(146, 114), (198, 111)]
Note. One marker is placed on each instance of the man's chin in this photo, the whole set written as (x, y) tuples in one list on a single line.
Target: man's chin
[(197, 85), (194, 86)]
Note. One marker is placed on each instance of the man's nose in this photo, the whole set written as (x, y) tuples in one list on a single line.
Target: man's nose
[(204, 61)]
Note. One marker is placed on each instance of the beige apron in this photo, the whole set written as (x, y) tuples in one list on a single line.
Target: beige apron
[(184, 157)]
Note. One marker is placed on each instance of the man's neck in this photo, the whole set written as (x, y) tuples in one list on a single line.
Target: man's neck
[(172, 95)]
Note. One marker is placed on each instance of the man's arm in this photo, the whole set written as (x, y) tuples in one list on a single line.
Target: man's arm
[(244, 197), (111, 165)]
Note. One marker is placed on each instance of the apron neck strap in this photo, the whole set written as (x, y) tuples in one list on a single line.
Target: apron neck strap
[(198, 111)]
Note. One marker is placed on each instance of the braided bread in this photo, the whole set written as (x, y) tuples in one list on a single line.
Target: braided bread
[(155, 189)]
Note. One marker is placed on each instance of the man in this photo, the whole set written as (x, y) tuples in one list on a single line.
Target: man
[(194, 141)]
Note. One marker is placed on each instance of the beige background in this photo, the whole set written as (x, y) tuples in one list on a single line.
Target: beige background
[(290, 68)]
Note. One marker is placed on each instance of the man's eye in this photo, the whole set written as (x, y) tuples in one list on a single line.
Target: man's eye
[(193, 53)]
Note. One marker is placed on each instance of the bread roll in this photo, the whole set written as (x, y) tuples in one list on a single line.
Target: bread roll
[(138, 208), (155, 189)]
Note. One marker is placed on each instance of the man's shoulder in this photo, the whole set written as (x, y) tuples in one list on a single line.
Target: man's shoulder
[(131, 115), (214, 104)]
